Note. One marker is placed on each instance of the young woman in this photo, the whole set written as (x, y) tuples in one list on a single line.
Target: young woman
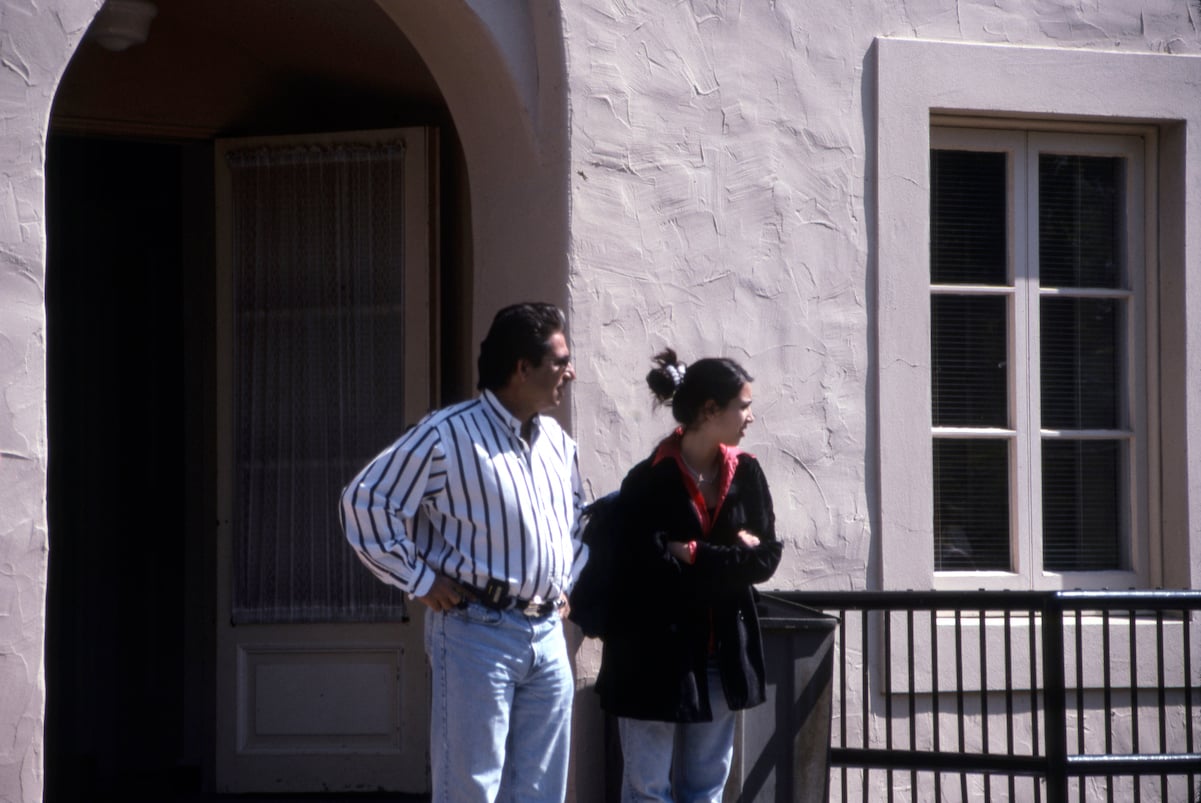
[(683, 651)]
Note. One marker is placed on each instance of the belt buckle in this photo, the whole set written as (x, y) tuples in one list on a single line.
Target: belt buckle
[(533, 607)]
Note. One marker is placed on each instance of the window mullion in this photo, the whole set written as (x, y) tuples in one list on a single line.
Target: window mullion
[(1026, 385)]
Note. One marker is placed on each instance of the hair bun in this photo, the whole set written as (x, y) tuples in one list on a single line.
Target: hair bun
[(666, 377), (716, 379)]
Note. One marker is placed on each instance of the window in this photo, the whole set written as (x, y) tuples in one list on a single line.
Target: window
[(1037, 314), (1066, 486), (328, 304)]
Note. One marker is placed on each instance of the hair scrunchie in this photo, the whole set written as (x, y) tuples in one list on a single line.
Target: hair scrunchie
[(676, 372)]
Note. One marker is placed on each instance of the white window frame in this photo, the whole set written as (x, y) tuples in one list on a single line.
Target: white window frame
[(1023, 292), (920, 84)]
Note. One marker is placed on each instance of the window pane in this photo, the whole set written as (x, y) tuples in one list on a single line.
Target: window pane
[(1081, 492), (1080, 221), (1080, 363), (971, 505), (318, 353), (968, 354), (968, 220)]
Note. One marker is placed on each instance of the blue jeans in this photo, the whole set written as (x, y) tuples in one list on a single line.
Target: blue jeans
[(686, 762), (500, 719)]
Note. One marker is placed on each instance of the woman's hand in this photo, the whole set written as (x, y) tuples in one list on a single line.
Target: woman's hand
[(683, 551), (680, 551)]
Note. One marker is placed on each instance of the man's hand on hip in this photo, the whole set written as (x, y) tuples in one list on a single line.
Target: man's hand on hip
[(444, 594)]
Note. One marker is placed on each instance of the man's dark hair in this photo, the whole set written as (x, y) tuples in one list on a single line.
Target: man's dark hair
[(518, 332)]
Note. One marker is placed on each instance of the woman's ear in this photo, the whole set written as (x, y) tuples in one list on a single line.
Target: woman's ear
[(709, 409)]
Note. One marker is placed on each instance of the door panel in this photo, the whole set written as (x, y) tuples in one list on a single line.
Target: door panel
[(316, 698), (350, 694), (325, 707)]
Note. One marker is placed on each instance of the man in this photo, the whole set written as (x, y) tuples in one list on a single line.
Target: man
[(473, 512)]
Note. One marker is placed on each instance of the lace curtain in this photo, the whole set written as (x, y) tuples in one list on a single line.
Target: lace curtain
[(318, 263)]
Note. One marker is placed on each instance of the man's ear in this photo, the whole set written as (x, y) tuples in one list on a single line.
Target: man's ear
[(523, 369)]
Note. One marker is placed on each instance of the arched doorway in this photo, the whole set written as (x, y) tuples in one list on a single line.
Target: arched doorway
[(134, 329)]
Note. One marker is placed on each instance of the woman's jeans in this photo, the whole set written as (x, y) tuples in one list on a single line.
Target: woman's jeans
[(682, 762), (500, 719)]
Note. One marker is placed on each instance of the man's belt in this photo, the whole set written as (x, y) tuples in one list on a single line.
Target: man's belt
[(497, 597)]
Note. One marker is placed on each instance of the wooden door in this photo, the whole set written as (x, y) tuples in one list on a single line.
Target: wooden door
[(327, 692)]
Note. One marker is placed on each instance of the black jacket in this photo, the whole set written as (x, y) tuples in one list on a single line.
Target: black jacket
[(667, 615)]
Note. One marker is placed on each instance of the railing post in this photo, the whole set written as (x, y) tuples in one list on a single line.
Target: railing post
[(1054, 701)]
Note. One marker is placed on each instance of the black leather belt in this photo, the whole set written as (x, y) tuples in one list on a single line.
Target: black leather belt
[(499, 600)]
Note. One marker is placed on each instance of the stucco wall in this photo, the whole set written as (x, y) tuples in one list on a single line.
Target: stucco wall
[(502, 81), (721, 203), (36, 41)]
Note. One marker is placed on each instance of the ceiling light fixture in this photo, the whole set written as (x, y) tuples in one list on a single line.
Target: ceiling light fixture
[(122, 23)]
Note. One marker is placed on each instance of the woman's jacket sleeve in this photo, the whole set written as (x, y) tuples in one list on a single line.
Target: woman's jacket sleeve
[(721, 567)]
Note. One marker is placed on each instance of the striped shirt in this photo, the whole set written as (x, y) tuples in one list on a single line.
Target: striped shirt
[(463, 494)]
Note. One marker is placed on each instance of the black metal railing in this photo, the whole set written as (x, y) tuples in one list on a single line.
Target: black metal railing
[(1014, 695)]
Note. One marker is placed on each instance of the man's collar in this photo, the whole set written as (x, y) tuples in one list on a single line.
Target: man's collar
[(511, 421)]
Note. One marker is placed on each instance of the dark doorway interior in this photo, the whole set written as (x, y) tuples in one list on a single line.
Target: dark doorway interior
[(131, 355), (131, 387), (128, 289)]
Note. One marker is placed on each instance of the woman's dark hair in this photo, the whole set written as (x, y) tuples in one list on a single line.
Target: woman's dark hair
[(518, 332), (716, 379)]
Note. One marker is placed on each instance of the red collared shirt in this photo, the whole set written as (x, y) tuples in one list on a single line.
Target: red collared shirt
[(670, 449)]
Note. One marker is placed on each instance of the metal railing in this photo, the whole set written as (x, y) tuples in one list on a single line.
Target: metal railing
[(1014, 695)]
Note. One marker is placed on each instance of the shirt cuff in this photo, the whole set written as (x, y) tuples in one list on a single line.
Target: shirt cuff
[(691, 552), (425, 582)]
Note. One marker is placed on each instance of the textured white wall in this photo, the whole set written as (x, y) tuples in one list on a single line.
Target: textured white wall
[(720, 190), (722, 193), (500, 74), (36, 41), (717, 196)]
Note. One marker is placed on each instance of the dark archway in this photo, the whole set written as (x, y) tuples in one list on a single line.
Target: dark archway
[(131, 354)]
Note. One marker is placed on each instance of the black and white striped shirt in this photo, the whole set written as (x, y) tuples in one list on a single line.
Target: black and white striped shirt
[(463, 494)]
